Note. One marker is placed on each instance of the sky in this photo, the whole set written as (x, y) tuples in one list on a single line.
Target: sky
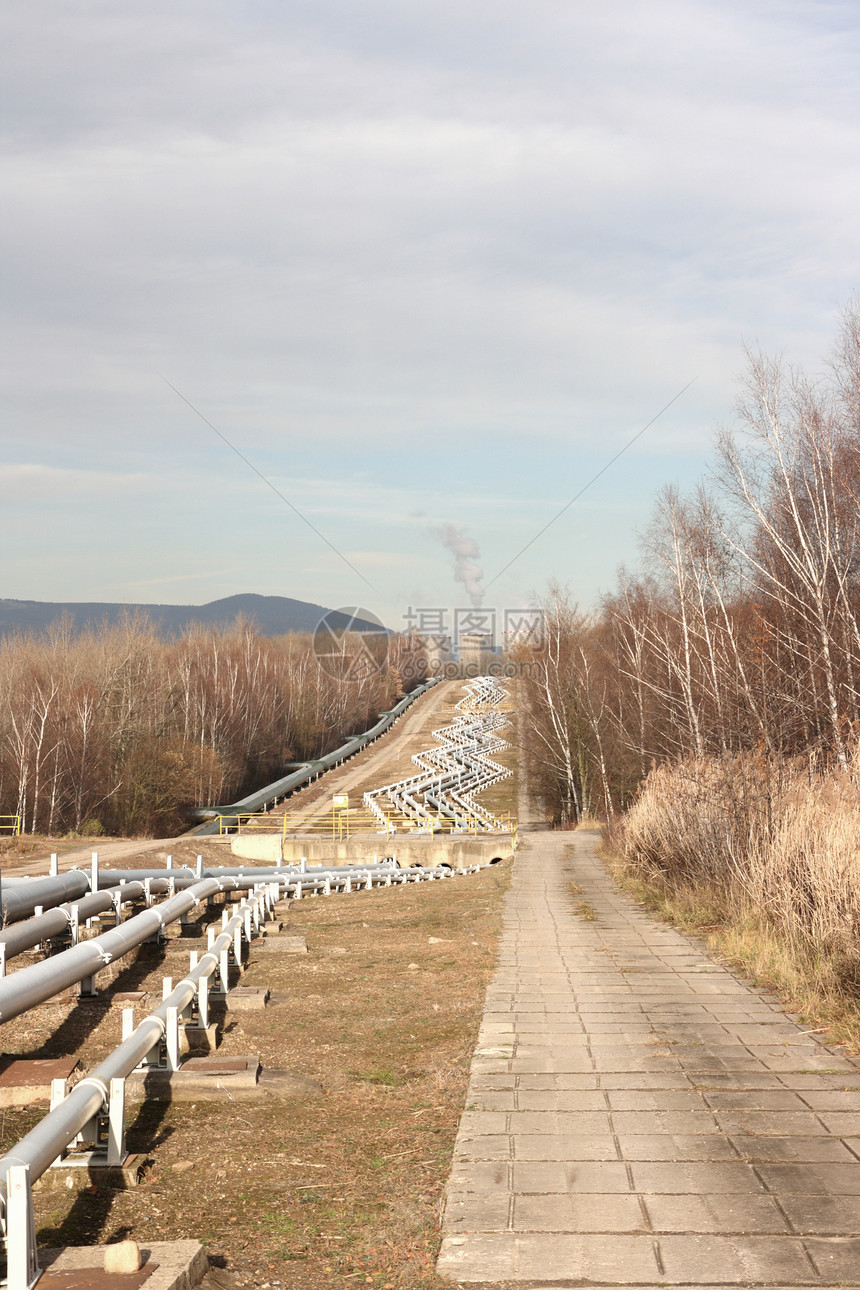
[(294, 289)]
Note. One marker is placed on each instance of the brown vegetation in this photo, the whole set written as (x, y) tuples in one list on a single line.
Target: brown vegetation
[(766, 868), (118, 731)]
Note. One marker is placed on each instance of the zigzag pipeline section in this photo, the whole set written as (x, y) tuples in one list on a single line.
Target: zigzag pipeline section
[(442, 796)]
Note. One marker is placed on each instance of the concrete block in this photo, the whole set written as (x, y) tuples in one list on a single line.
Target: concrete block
[(199, 1077), (589, 1212), (247, 998), (165, 1265), (198, 1040), (122, 1257), (283, 945), (721, 1260), (727, 1213), (27, 1080), (76, 1174)]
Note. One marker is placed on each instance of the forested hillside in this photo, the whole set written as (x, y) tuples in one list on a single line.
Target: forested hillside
[(119, 731)]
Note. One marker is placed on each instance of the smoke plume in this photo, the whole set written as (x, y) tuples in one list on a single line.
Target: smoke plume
[(466, 555)]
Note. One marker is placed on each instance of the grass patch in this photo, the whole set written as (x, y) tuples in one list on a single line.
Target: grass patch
[(381, 1075), (581, 908), (311, 1192)]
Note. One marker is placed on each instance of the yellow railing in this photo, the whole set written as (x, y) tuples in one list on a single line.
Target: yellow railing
[(339, 825), (10, 824)]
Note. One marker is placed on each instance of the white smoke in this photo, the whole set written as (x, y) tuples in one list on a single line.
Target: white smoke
[(466, 555)]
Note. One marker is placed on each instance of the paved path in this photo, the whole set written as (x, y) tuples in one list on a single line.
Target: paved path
[(639, 1116)]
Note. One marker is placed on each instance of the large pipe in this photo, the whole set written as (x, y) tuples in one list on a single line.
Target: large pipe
[(41, 981), (262, 873), (21, 898), (35, 984), (41, 1146), (55, 922)]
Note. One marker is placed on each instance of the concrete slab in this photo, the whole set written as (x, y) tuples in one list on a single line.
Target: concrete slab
[(166, 1265), (199, 1077), (76, 1174), (27, 1080), (637, 1115), (247, 998), (282, 944)]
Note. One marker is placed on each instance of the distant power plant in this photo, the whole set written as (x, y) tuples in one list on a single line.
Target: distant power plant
[(474, 645)]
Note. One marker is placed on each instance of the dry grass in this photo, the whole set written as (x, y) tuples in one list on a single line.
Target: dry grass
[(581, 908), (311, 1192), (31, 845), (587, 821), (762, 860)]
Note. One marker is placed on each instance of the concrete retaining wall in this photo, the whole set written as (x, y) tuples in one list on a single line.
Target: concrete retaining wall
[(409, 849)]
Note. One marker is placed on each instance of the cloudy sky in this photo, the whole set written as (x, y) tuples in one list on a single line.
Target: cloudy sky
[(421, 263)]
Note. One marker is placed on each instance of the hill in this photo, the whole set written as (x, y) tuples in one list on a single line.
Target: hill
[(272, 615)]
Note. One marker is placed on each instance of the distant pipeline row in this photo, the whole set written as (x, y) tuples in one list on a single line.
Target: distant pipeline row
[(215, 817)]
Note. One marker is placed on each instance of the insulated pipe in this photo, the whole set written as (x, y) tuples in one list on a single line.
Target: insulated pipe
[(54, 922), (23, 936), (44, 1143), (41, 981), (282, 787), (269, 873), (20, 898)]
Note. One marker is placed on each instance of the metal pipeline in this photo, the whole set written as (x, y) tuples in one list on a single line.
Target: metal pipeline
[(260, 873), (283, 787), (55, 922), (44, 1143), (22, 896), (35, 984), (41, 981)]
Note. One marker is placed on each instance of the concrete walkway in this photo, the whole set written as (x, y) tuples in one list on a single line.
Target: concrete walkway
[(637, 1115)]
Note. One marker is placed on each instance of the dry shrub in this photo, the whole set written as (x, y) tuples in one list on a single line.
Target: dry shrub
[(695, 819), (762, 841), (589, 821)]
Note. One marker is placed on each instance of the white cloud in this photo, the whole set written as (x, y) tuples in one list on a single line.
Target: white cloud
[(26, 482), (422, 234)]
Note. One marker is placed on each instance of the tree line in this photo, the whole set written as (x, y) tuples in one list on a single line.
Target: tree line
[(738, 634), (118, 731)]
